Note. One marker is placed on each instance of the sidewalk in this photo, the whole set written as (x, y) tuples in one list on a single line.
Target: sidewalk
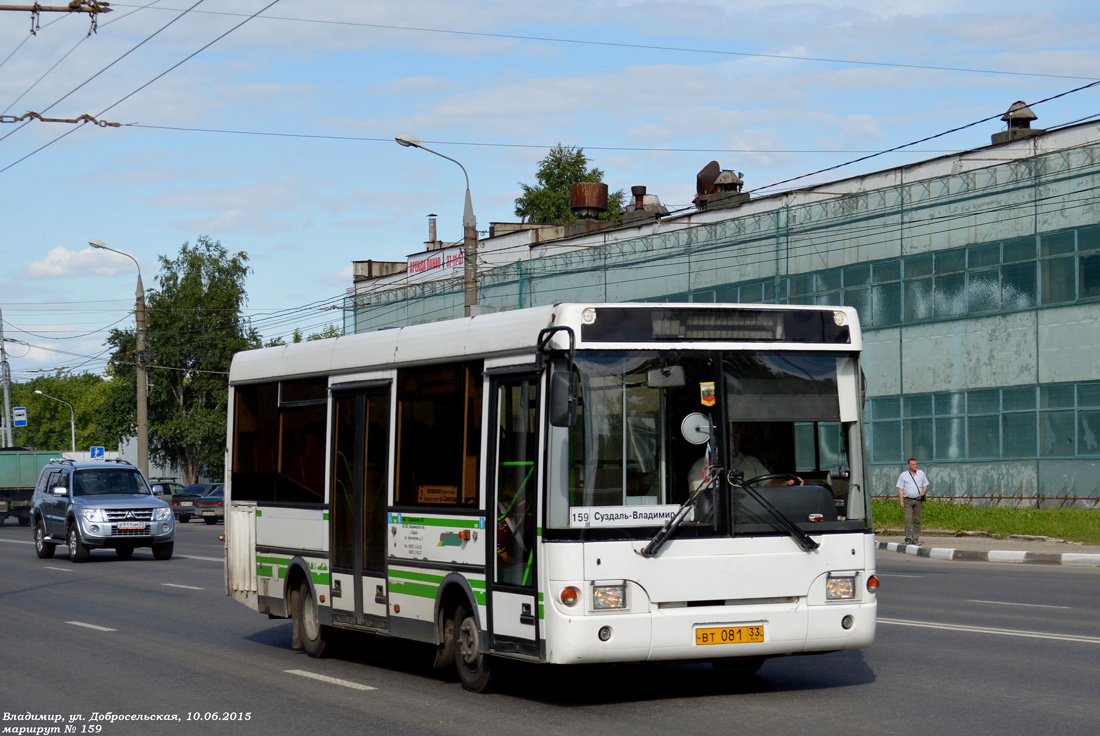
[(975, 547)]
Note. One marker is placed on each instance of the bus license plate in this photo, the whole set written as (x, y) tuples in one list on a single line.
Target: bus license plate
[(131, 525), (730, 635)]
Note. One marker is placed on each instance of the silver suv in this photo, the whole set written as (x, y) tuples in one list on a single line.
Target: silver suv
[(89, 505)]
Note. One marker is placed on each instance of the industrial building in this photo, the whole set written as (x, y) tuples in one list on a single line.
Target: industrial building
[(976, 276)]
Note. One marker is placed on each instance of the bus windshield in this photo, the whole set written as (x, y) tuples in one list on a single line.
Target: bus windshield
[(653, 426)]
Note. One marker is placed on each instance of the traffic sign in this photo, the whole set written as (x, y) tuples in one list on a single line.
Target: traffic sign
[(19, 416), (97, 453)]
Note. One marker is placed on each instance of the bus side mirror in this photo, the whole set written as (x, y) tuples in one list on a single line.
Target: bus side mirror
[(563, 399)]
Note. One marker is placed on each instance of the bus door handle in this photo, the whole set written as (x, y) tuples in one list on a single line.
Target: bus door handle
[(526, 617), (379, 596)]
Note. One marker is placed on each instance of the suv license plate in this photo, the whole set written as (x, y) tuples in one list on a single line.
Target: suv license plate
[(129, 525), (730, 635)]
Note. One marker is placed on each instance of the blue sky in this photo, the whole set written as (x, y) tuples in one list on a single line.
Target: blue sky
[(311, 179)]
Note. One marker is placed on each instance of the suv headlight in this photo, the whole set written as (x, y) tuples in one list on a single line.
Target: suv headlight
[(96, 516), (162, 514)]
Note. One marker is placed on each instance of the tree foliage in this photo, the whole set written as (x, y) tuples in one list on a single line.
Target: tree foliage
[(548, 201), (49, 425), (194, 326)]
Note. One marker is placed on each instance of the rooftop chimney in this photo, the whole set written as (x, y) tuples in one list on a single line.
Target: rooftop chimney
[(643, 206), (718, 188), (588, 199), (1018, 117)]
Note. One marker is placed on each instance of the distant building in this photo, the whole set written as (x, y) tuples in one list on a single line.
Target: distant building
[(976, 276)]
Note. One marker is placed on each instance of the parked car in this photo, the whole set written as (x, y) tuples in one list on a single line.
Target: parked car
[(104, 504), (183, 503), (211, 507), (165, 488)]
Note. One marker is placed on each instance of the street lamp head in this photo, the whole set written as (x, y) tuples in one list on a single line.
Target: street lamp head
[(409, 141), (37, 391), (97, 244)]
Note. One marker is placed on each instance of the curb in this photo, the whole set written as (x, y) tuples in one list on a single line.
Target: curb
[(969, 555)]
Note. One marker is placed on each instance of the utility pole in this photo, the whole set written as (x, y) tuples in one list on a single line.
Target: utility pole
[(92, 7), (5, 377)]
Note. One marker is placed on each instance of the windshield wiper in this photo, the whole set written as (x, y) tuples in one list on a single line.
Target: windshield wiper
[(782, 521), (655, 544)]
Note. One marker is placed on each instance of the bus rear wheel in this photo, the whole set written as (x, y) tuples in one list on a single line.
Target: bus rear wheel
[(472, 663), (313, 635)]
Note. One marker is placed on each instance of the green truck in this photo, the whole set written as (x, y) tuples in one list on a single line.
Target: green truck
[(19, 471)]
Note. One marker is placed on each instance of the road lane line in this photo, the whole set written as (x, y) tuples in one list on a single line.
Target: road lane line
[(208, 559), (16, 541), (185, 587), (90, 626), (1026, 605), (330, 680), (987, 630), (59, 569)]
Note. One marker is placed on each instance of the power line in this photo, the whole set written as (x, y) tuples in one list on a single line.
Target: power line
[(650, 47)]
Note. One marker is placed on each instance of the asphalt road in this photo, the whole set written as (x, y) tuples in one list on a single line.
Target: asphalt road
[(970, 648)]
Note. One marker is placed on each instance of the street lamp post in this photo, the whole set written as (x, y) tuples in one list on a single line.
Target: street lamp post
[(142, 393), (72, 415), (469, 226)]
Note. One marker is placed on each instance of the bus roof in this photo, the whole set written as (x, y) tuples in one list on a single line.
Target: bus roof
[(516, 332)]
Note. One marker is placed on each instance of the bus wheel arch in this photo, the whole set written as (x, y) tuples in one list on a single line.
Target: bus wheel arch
[(454, 591), (300, 600)]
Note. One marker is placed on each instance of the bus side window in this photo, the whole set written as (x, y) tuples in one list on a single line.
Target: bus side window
[(439, 435)]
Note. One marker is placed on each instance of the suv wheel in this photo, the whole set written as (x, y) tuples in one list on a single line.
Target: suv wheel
[(43, 548), (77, 551), (124, 552), (163, 551)]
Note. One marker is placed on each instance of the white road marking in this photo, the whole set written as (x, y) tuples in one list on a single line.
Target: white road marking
[(17, 541), (185, 587), (330, 680), (1026, 605), (60, 569), (207, 559), (986, 630), (90, 626)]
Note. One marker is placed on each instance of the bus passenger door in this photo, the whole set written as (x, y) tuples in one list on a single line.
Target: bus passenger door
[(513, 479), (360, 472)]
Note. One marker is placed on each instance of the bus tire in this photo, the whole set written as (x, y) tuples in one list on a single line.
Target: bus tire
[(472, 663), (314, 636)]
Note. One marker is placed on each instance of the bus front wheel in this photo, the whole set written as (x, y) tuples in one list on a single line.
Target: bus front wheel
[(314, 636), (471, 662)]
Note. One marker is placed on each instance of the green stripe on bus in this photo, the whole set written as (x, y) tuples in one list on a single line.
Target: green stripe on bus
[(479, 598), (325, 516), (273, 560), (542, 612), (259, 512), (416, 589), (263, 571), (425, 577), (421, 521), (321, 578), (476, 583)]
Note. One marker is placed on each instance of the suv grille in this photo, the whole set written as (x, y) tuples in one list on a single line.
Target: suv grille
[(129, 514)]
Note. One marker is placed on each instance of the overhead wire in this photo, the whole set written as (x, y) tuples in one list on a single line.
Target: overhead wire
[(648, 47)]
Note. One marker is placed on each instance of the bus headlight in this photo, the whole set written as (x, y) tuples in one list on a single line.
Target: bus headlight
[(608, 597), (840, 588)]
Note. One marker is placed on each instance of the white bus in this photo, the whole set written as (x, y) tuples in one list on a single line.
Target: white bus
[(561, 484)]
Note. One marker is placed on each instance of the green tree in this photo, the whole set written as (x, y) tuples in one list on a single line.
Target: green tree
[(49, 425), (548, 201), (194, 327)]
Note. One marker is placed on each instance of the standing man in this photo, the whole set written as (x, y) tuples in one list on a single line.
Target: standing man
[(912, 485)]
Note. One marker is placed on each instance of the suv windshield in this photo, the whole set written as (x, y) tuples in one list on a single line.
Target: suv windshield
[(100, 482)]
